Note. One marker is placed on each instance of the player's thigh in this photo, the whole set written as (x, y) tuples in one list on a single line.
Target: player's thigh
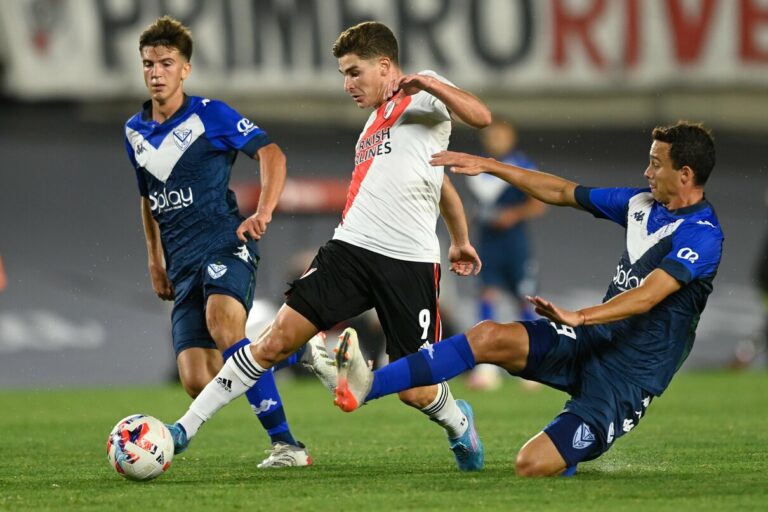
[(197, 367), (188, 325), (406, 300), (225, 317), (334, 288), (539, 457)]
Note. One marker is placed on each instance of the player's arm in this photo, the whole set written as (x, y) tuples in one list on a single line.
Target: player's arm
[(161, 284), (272, 170), (529, 209), (463, 257), (545, 187), (657, 286), (464, 105)]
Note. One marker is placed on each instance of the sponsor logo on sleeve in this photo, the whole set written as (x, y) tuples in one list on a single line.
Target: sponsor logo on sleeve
[(246, 126), (686, 253)]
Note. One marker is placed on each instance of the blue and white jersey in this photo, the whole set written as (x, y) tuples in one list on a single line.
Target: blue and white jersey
[(494, 193), (687, 244), (183, 167)]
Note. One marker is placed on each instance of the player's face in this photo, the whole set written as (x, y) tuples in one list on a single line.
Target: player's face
[(365, 79), (165, 69), (662, 177), (499, 139)]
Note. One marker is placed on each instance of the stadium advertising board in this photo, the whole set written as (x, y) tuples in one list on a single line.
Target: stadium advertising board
[(87, 48)]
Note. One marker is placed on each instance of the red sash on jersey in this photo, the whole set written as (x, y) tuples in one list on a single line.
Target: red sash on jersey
[(381, 122)]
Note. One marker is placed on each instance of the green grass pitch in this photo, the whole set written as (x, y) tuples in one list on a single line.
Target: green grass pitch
[(702, 446)]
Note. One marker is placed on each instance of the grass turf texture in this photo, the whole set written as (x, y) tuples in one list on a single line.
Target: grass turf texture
[(703, 445)]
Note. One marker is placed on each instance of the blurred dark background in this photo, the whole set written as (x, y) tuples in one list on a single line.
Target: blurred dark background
[(76, 305)]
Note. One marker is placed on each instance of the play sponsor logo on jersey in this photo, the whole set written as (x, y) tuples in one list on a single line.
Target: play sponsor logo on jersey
[(624, 278), (376, 144), (175, 199)]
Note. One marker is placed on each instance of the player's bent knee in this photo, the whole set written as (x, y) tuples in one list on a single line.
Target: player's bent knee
[(193, 387), (526, 465), (277, 344), (499, 344)]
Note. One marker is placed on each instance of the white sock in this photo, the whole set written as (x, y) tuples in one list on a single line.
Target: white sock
[(444, 411), (239, 373)]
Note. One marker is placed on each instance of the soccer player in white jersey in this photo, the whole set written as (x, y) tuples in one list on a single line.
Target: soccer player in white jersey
[(385, 253)]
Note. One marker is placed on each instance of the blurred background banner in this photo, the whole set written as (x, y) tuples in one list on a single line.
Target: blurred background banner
[(584, 81), (81, 49)]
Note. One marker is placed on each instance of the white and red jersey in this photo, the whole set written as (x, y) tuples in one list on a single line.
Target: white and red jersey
[(393, 200)]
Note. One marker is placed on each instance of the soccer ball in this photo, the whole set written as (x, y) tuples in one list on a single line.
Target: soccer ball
[(140, 447)]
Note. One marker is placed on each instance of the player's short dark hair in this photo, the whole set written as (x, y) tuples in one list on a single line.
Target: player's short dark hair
[(689, 144), (170, 32), (367, 40)]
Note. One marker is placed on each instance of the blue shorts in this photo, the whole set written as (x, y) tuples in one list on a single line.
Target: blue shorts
[(506, 264), (603, 404), (228, 270)]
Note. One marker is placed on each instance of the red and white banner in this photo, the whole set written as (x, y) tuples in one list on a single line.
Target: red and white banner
[(89, 48)]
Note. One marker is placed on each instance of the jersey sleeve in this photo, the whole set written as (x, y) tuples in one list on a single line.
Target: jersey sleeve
[(228, 129), (607, 203), (432, 103), (696, 251), (140, 181)]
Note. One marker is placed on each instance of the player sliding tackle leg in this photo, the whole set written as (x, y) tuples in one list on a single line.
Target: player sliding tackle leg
[(674, 243)]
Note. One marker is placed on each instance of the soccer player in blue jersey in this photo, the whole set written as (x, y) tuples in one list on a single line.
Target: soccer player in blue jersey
[(612, 358), (203, 254)]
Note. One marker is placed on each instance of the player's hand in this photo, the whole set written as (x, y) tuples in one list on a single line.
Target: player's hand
[(406, 85), (557, 314), (464, 260), (254, 226), (460, 163), (161, 284)]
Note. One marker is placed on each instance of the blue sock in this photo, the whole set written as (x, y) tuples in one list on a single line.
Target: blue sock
[(487, 310), (292, 359), (441, 361), (266, 402)]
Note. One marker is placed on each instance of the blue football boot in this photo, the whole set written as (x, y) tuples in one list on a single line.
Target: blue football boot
[(179, 436), (468, 449)]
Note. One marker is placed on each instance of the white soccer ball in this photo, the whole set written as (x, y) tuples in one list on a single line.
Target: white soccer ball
[(147, 444)]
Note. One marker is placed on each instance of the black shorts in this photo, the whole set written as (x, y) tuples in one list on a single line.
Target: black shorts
[(344, 280)]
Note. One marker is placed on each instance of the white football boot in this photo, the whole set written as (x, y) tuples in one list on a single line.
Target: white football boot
[(355, 376), (316, 360), (284, 455)]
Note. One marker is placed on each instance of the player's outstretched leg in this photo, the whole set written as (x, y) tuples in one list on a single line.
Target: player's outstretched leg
[(354, 375), (468, 449)]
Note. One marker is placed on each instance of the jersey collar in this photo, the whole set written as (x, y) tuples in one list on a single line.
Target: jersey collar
[(146, 111), (692, 208)]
